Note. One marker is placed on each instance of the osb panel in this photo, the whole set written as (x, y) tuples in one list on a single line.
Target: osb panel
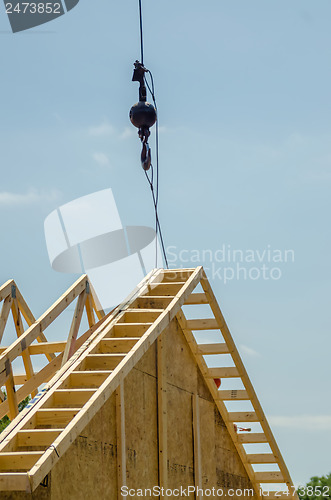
[(181, 368), (180, 438), (39, 494), (140, 393), (89, 466), (147, 364)]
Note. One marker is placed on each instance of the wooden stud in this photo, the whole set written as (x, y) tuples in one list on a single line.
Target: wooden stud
[(89, 310), (162, 413), (11, 393), (30, 319), (25, 353), (6, 306), (73, 332), (120, 437), (196, 444)]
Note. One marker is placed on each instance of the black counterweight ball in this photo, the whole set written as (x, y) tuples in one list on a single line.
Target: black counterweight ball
[(143, 115)]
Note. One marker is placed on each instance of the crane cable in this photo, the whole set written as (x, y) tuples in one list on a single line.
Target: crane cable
[(154, 189)]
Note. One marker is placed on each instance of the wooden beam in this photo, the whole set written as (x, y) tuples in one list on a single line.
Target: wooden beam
[(66, 398), (202, 324), (89, 310), (30, 319), (6, 306), (102, 361), (14, 481), (87, 379), (11, 393), (196, 299), (233, 395), (162, 413), (225, 372), (254, 437), (57, 417), (25, 353), (269, 477), (196, 444), (130, 329), (37, 437), (73, 332), (5, 289), (120, 438), (206, 349), (47, 347), (118, 345), (261, 458), (243, 416), (19, 460)]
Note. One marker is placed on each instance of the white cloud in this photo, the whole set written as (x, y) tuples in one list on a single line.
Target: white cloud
[(248, 350), (303, 422), (101, 130), (128, 132), (32, 196), (101, 159)]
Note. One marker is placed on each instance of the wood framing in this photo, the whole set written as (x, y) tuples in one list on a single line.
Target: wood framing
[(30, 382), (109, 356)]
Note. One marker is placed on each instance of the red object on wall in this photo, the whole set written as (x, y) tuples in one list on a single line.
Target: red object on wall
[(217, 382)]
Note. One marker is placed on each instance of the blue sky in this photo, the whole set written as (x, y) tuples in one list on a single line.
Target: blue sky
[(243, 91)]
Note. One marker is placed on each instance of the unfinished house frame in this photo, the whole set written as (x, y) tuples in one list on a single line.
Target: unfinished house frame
[(133, 402)]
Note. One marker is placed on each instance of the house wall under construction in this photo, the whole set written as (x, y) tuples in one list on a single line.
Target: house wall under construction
[(160, 428)]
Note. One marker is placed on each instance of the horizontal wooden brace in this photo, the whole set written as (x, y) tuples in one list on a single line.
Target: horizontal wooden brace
[(37, 437), (14, 481), (261, 458), (254, 437), (196, 298), (269, 477), (87, 379), (243, 416), (117, 345), (47, 347), (55, 417), (129, 329), (202, 324), (19, 460), (234, 395), (102, 361), (206, 349), (68, 398), (223, 372)]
